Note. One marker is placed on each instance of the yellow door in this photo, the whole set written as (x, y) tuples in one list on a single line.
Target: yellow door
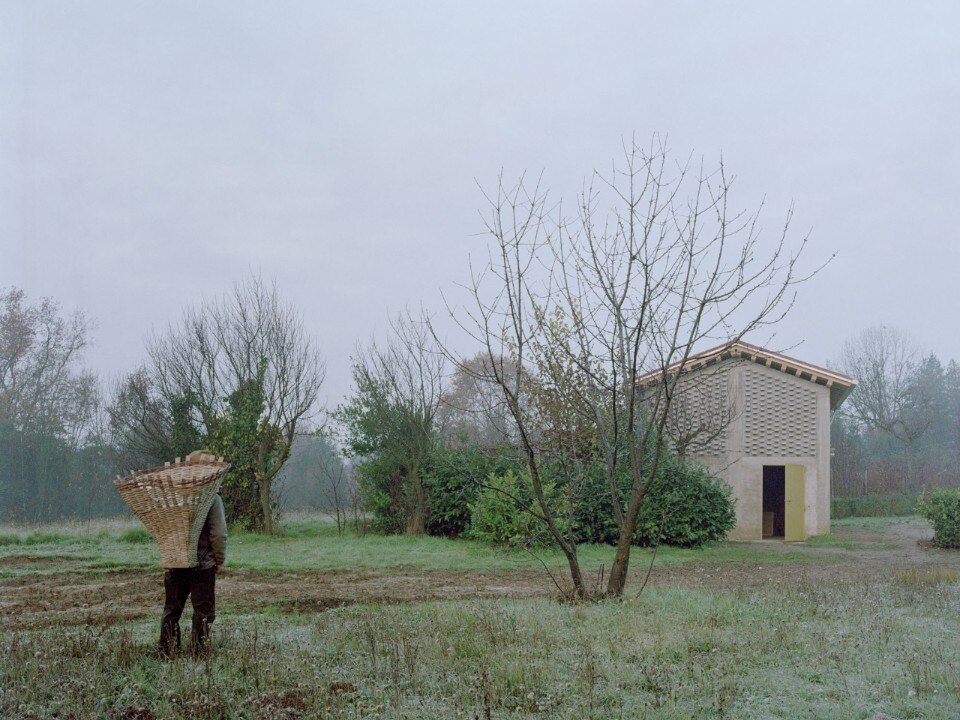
[(794, 510)]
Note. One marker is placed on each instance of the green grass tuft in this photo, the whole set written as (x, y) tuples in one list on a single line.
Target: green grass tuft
[(135, 536)]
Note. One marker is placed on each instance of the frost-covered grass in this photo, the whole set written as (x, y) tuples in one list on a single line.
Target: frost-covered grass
[(810, 652), (804, 646)]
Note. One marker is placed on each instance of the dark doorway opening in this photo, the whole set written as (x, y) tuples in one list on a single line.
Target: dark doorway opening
[(774, 500)]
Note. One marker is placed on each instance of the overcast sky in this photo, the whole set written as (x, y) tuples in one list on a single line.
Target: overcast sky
[(153, 153)]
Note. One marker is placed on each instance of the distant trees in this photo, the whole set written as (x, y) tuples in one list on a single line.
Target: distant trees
[(42, 386), (52, 445), (900, 428), (472, 411), (238, 375), (315, 477), (885, 363)]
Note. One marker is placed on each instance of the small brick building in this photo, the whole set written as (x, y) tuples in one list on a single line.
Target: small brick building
[(761, 421)]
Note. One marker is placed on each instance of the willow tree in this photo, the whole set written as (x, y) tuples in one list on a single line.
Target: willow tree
[(654, 262)]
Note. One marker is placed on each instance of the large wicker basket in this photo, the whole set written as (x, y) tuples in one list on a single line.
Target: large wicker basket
[(173, 501)]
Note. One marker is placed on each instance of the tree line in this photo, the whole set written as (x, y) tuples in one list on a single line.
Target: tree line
[(237, 375), (899, 431)]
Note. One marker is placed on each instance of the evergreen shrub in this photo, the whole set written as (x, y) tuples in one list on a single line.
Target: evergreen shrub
[(686, 507), (495, 516), (453, 476), (941, 507)]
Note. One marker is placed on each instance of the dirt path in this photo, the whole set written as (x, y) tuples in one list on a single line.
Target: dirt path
[(72, 596), (106, 598)]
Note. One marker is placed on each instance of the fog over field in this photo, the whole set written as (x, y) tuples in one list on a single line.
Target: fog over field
[(383, 330), (153, 153)]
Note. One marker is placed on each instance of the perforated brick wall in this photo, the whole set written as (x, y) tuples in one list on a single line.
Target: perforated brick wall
[(780, 416), (702, 412)]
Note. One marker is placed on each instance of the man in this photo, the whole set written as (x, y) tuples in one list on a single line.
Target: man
[(198, 582)]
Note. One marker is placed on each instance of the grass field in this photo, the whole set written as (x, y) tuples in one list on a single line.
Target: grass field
[(312, 543), (314, 625)]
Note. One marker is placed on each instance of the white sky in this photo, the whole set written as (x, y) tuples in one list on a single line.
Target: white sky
[(153, 153)]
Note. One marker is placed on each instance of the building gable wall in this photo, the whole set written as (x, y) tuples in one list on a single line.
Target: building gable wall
[(778, 419), (780, 414)]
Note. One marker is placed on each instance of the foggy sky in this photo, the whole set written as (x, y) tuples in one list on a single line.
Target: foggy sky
[(153, 153)]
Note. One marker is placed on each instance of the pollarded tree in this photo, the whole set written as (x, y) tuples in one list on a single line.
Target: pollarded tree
[(389, 423), (242, 373), (670, 266)]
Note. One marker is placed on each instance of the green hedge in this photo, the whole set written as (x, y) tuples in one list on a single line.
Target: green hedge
[(942, 508), (453, 477), (873, 505), (685, 507), (496, 517)]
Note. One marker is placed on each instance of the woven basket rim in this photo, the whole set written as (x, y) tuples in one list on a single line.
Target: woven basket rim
[(216, 468)]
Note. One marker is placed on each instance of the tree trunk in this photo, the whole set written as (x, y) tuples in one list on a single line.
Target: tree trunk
[(264, 487), (621, 561), (569, 549), (579, 585), (416, 503)]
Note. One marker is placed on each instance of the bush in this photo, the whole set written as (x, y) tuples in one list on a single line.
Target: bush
[(942, 508), (495, 517), (692, 507), (453, 477), (382, 492)]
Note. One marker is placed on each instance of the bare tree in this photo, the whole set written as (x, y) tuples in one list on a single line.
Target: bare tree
[(337, 491), (141, 422), (52, 453), (472, 411), (885, 362), (669, 267), (392, 415), (42, 388), (247, 349)]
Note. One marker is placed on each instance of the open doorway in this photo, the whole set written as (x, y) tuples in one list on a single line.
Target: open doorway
[(774, 501)]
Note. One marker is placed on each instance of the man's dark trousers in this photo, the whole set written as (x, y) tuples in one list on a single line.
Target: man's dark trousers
[(178, 584)]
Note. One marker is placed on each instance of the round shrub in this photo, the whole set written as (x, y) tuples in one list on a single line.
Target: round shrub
[(453, 477), (593, 517), (942, 508), (686, 506)]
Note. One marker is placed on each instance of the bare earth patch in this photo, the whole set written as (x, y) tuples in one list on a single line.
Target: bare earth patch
[(75, 597)]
